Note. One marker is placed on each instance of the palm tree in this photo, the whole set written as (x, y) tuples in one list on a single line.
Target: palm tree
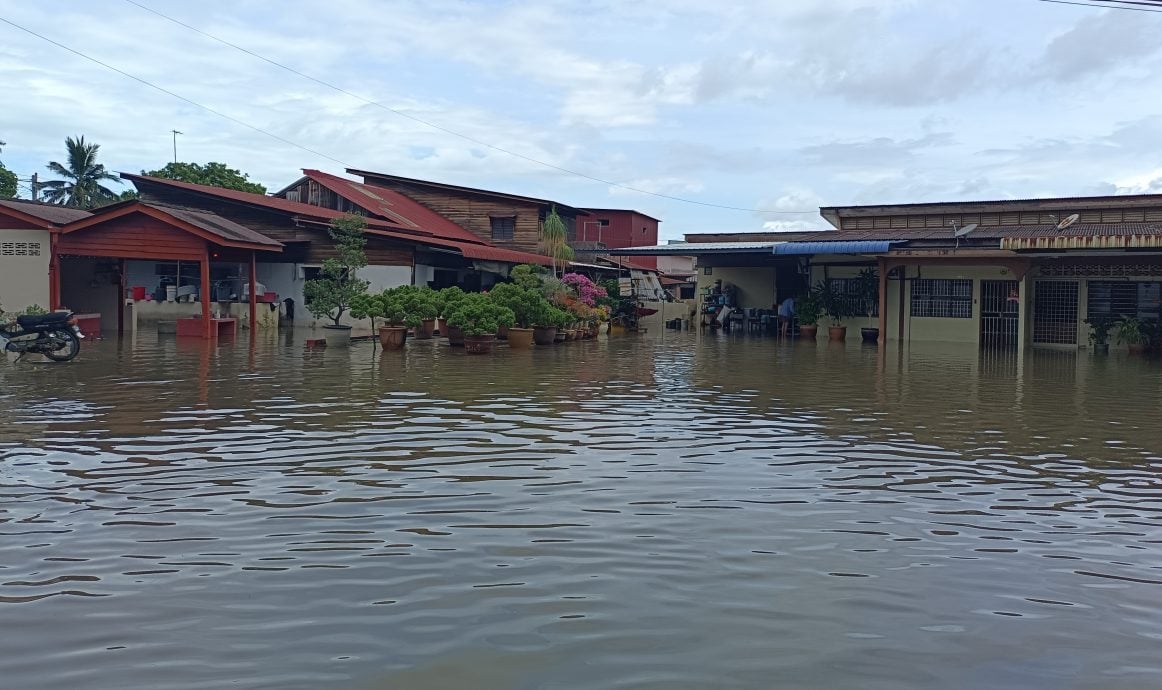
[(82, 186)]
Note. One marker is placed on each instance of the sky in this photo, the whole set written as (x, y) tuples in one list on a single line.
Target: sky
[(773, 107)]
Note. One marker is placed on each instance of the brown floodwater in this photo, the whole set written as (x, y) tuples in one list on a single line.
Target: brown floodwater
[(635, 512)]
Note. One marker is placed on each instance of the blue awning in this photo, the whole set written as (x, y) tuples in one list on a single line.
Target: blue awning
[(849, 247)]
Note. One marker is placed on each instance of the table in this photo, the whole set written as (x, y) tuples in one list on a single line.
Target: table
[(195, 327)]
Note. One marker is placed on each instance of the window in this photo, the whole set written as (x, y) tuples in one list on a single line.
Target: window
[(849, 288), (1055, 312), (604, 222), (707, 270), (504, 228), (944, 299), (1113, 299)]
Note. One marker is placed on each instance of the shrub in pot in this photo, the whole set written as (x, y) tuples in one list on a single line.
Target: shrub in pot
[(1128, 331), (479, 317), (868, 290), (836, 306), (809, 311), (1099, 333), (330, 295), (446, 301), (527, 306)]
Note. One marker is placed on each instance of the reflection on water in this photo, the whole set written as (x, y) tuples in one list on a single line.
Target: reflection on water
[(630, 513)]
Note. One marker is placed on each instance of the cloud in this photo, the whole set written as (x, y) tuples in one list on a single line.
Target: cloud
[(1097, 45), (876, 151)]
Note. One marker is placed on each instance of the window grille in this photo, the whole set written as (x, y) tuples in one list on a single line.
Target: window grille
[(942, 298), (1055, 312), (848, 290), (1113, 299)]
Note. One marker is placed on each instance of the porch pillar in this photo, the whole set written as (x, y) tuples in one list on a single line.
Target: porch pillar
[(883, 324), (54, 275), (253, 297), (209, 327)]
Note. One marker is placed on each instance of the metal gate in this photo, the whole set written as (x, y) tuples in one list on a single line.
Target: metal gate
[(1000, 303), (1055, 312)]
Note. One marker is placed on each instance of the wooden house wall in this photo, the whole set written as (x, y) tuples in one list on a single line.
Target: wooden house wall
[(136, 236)]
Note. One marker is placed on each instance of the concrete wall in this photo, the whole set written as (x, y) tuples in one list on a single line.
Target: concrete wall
[(24, 259), (86, 290), (756, 285)]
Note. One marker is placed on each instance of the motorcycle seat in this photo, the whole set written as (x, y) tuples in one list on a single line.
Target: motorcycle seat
[(30, 322)]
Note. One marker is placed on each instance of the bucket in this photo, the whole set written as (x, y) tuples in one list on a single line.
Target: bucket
[(138, 293), (171, 293)]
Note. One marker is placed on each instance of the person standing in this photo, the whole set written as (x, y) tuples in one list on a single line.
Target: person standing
[(786, 316)]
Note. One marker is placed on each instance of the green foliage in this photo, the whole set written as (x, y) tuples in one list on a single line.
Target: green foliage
[(558, 317), (477, 314), (447, 299), (808, 309), (405, 305), (1100, 327), (211, 174), (619, 307), (528, 306), (331, 294), (9, 317), (527, 276), (7, 181), (555, 239), (83, 175), (868, 288), (832, 301), (1128, 331)]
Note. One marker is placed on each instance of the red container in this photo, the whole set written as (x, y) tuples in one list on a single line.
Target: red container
[(138, 293), (270, 297)]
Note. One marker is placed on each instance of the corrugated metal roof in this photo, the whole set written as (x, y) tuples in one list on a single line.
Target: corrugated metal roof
[(690, 248), (220, 227), (371, 175), (50, 213), (850, 247), (1063, 241)]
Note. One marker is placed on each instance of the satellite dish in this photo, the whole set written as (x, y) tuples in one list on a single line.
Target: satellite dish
[(961, 232), (1067, 221)]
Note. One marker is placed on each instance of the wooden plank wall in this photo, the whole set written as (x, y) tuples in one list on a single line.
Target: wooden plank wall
[(135, 236)]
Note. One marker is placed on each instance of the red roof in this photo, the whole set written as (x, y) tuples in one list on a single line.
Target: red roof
[(203, 224), (37, 213), (393, 206)]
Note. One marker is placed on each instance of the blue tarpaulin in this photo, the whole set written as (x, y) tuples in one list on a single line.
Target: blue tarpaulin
[(849, 247)]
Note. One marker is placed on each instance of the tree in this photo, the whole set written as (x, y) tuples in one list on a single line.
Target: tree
[(82, 186), (210, 174), (555, 240), (337, 287), (7, 181)]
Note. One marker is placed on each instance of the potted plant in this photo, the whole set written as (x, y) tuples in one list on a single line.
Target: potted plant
[(868, 289), (330, 295), (422, 307), (545, 325), (479, 317), (372, 307), (527, 307), (1128, 331), (836, 308), (808, 309), (561, 319), (448, 299), (1099, 333)]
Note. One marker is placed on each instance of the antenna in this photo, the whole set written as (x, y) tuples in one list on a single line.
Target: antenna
[(1067, 221), (959, 232)]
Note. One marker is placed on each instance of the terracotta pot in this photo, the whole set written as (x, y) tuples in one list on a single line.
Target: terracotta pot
[(455, 336), (442, 326), (544, 335), (502, 333), (808, 332), (837, 333), (1135, 348), (393, 337), (337, 336), (570, 334), (479, 344), (426, 329), (520, 338)]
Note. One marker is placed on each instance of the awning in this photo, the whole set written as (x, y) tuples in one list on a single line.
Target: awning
[(850, 247)]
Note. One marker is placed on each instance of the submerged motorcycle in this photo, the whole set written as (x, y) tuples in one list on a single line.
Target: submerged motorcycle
[(54, 335)]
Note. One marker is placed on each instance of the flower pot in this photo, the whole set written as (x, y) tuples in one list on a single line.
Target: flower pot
[(544, 335), (838, 333), (1101, 349), (502, 333), (808, 332), (570, 334), (870, 335), (561, 336), (616, 329), (393, 337), (520, 338), (455, 336), (426, 329), (479, 344), (442, 326), (1137, 348), (337, 336)]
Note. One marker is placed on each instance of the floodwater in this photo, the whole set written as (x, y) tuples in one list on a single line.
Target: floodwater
[(723, 512)]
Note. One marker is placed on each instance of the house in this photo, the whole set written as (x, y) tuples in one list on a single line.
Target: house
[(1009, 273), (27, 229), (502, 220), (612, 228)]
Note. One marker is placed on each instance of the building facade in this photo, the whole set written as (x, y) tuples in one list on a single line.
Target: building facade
[(613, 228)]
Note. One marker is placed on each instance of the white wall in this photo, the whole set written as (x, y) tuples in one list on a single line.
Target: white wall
[(24, 278), (424, 274)]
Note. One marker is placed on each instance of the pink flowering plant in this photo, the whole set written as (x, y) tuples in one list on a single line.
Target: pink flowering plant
[(586, 290)]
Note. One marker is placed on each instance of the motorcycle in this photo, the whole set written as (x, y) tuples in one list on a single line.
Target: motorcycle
[(54, 335)]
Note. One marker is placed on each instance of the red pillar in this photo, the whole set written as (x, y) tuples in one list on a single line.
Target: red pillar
[(208, 333), (54, 274), (883, 324), (253, 296)]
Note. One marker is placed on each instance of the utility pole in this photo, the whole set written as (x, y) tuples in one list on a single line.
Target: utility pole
[(175, 145), (35, 186)]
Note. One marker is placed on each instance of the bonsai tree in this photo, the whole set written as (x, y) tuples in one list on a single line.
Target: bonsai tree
[(477, 314), (330, 295), (527, 276), (527, 305), (834, 304), (367, 306), (417, 303), (868, 287), (447, 299), (808, 309)]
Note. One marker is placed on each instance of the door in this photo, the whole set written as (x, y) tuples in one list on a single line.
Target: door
[(1000, 303), (1055, 312)]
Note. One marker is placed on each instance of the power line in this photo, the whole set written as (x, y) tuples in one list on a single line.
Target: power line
[(171, 93), (1106, 6), (446, 130)]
